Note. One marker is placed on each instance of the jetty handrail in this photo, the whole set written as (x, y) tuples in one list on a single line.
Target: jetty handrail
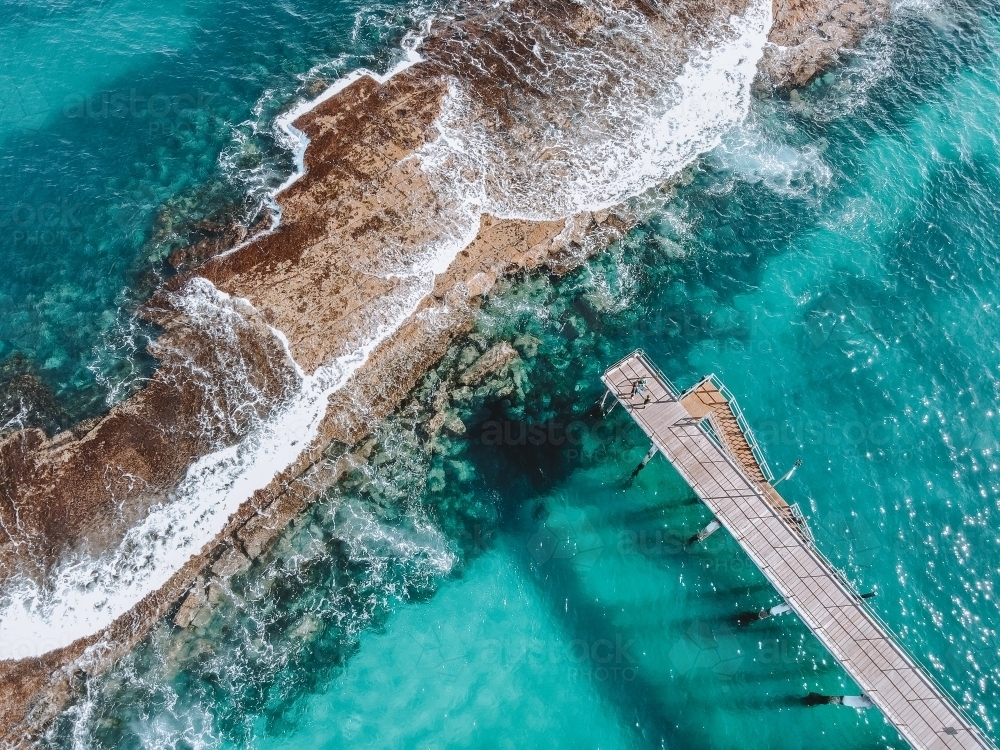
[(802, 522), (842, 578), (668, 384), (925, 672)]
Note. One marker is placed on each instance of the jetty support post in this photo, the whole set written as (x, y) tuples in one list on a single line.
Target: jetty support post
[(706, 532), (642, 465)]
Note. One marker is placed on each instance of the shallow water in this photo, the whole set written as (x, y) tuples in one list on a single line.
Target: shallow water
[(834, 262), (123, 122)]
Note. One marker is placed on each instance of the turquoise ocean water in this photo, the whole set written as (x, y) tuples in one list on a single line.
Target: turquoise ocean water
[(834, 261)]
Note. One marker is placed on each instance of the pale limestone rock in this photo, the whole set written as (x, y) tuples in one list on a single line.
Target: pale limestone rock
[(232, 562), (454, 424), (495, 359), (192, 605)]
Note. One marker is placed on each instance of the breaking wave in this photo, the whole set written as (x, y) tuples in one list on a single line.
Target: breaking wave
[(87, 594), (599, 124)]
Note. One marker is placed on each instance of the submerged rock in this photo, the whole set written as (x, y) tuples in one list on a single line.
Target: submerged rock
[(230, 563), (436, 480), (307, 628), (462, 395), (454, 424), (494, 360), (527, 345), (192, 606)]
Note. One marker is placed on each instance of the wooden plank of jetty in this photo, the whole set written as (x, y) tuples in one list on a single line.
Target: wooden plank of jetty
[(703, 434)]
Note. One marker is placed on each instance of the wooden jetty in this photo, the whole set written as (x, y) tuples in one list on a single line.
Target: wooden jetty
[(702, 432)]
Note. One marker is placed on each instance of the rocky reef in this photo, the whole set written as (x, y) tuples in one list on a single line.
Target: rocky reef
[(83, 489), (808, 36)]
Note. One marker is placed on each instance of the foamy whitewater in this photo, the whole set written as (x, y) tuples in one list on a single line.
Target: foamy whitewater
[(610, 154), (602, 149)]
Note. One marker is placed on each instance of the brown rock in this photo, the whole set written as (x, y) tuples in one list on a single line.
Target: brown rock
[(807, 36)]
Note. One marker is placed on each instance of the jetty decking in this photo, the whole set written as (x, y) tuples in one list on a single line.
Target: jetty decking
[(703, 434)]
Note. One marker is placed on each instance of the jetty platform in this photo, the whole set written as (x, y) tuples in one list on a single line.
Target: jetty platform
[(703, 433)]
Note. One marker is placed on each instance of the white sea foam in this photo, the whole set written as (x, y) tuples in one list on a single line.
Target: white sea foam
[(610, 150), (919, 6), (370, 541), (85, 595), (583, 149), (751, 154), (605, 155)]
